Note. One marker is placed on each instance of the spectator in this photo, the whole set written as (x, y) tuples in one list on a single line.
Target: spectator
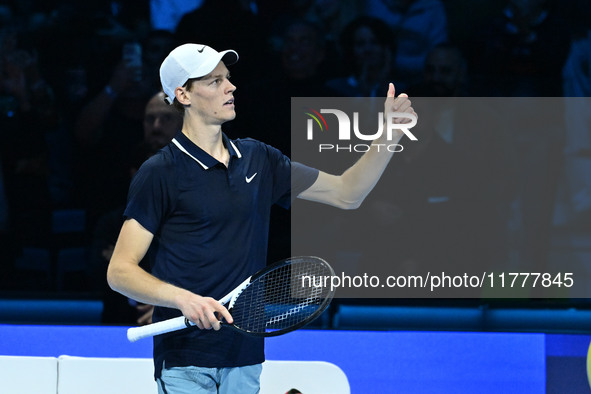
[(298, 75), (576, 180), (418, 26), (106, 129), (7, 247), (155, 46), (160, 124), (4, 211), (522, 53), (368, 50), (277, 15), (522, 50), (28, 115), (442, 205), (445, 74), (166, 14), (201, 25), (333, 16)]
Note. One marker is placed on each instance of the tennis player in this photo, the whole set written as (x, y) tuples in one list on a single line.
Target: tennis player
[(199, 209)]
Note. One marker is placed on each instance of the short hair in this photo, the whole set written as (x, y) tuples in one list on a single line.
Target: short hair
[(384, 35), (188, 86)]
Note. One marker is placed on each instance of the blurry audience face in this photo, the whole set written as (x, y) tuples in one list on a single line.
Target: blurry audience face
[(300, 5), (397, 5), (444, 71), (327, 9), (527, 8), (161, 122), (302, 51), (368, 52), (8, 40), (157, 48)]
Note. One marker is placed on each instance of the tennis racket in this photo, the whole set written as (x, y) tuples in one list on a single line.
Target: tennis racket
[(278, 299)]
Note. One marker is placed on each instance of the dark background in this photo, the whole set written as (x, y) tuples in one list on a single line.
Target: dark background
[(65, 174)]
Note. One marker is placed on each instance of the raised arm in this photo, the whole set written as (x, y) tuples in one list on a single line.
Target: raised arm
[(128, 278), (349, 189)]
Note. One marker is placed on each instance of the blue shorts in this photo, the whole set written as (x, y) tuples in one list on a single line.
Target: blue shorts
[(197, 380)]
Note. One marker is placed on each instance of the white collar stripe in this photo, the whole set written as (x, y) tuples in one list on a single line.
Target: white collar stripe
[(188, 154), (236, 149)]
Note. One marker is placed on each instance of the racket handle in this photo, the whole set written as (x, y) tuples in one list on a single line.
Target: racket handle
[(174, 324)]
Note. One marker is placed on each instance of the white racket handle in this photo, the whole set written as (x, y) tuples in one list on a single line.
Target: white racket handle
[(176, 323), (162, 327)]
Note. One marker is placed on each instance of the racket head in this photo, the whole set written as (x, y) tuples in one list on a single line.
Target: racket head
[(283, 297)]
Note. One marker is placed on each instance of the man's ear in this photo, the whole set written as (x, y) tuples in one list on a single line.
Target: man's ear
[(182, 96)]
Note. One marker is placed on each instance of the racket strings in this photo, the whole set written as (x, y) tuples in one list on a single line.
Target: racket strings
[(283, 297)]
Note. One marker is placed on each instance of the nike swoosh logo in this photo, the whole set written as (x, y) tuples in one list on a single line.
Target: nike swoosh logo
[(249, 179), (201, 50)]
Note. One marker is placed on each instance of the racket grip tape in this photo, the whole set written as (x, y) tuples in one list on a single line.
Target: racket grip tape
[(177, 323)]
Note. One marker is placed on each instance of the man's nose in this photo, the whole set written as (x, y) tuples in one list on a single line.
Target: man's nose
[(231, 87)]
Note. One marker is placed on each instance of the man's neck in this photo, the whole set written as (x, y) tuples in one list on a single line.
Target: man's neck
[(208, 138)]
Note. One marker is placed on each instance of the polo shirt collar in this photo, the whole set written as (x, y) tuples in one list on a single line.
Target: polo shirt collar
[(199, 155)]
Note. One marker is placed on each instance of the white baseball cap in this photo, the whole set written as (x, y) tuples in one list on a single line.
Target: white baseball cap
[(190, 61)]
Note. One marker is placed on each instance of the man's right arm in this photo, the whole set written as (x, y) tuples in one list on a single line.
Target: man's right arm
[(128, 278)]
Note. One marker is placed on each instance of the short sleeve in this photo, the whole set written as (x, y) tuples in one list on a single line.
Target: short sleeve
[(302, 177), (295, 178), (151, 193)]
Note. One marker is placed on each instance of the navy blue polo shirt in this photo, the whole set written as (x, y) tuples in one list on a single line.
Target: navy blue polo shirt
[(211, 225)]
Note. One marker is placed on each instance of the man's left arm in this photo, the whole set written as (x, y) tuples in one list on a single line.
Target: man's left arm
[(348, 190)]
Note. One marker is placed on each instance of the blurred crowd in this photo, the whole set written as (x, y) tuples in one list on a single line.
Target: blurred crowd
[(77, 79)]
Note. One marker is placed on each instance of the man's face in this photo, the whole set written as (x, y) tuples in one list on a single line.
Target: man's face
[(443, 70), (366, 48), (161, 122), (302, 53), (212, 97)]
